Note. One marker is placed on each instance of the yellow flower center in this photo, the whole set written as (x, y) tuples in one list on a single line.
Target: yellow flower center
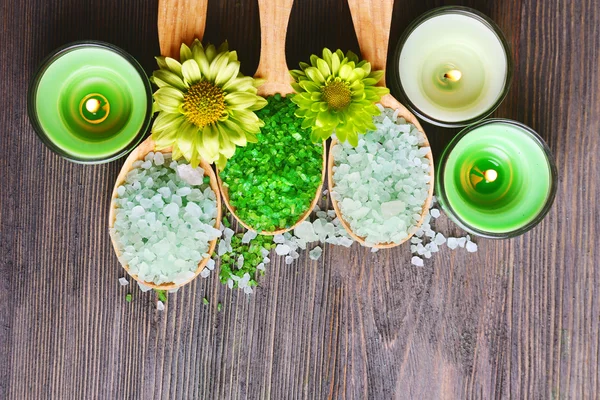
[(337, 94), (203, 104)]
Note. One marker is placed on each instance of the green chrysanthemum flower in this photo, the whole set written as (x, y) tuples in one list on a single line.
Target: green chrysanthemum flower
[(337, 93), (205, 105)]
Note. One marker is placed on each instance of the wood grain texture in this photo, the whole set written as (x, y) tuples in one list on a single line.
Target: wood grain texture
[(520, 319), (180, 21)]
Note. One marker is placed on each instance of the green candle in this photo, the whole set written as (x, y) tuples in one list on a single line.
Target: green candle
[(452, 67), (90, 102), (496, 178)]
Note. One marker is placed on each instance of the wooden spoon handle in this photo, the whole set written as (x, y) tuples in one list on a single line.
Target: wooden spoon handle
[(372, 21), (180, 21), (274, 18)]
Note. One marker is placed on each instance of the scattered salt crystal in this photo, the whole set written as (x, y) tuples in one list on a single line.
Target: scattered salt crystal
[(205, 273), (282, 249), (315, 253), (417, 261), (462, 241), (471, 247), (435, 213), (143, 287), (452, 243), (278, 239), (289, 259), (123, 281), (210, 264), (261, 266), (374, 249), (439, 239), (240, 261), (266, 260), (248, 290), (248, 236), (160, 306)]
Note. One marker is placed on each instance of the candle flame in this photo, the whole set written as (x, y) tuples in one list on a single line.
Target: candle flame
[(453, 75), (490, 175), (92, 105)]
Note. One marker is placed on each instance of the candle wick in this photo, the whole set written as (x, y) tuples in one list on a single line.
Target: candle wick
[(454, 75), (490, 175)]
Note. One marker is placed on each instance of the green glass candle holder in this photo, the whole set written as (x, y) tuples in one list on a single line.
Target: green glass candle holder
[(90, 102), (452, 67), (496, 179)]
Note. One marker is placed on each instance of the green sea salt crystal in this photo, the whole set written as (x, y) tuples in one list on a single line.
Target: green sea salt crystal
[(272, 182), (205, 301), (128, 297)]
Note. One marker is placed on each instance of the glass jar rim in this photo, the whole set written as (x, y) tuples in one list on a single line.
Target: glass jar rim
[(441, 192), (34, 84), (396, 84)]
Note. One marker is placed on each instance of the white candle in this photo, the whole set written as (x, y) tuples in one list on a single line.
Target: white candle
[(453, 67)]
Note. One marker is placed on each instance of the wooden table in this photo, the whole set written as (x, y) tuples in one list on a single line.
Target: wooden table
[(519, 319)]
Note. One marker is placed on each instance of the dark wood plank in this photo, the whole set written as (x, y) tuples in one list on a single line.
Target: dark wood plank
[(519, 319)]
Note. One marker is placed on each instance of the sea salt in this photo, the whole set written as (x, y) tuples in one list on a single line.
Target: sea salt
[(160, 306), (161, 235), (315, 253), (123, 281), (380, 183)]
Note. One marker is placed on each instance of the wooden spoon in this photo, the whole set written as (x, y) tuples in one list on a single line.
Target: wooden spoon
[(176, 25), (274, 17), (372, 20), (138, 154)]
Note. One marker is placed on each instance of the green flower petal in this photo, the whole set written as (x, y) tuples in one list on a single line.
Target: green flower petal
[(230, 71), (173, 66), (210, 138), (315, 75), (184, 53), (191, 72), (169, 99), (164, 78)]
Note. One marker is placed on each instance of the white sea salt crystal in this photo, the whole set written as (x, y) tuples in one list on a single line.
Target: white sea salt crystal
[(471, 247), (278, 239), (159, 159), (248, 236), (282, 249), (266, 260), (435, 213), (205, 273), (210, 264), (289, 259), (306, 232), (172, 290), (417, 261), (240, 261), (452, 243), (230, 283), (160, 306), (462, 241), (123, 281), (264, 252), (192, 176), (261, 266), (315, 253), (439, 239), (143, 287)]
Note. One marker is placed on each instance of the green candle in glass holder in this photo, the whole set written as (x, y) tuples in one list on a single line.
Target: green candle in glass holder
[(496, 179), (90, 102)]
